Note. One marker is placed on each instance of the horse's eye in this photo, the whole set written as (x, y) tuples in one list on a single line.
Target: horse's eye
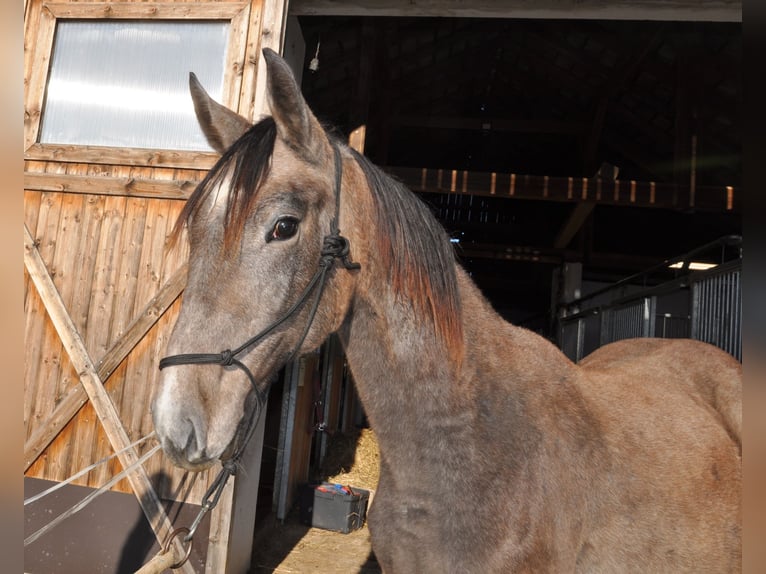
[(285, 228)]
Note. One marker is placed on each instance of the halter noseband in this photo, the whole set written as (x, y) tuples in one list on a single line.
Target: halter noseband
[(334, 246)]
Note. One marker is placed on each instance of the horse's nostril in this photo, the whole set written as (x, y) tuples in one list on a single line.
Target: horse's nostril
[(195, 452)]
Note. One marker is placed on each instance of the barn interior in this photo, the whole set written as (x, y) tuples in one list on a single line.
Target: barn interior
[(654, 105), (611, 144), (623, 137)]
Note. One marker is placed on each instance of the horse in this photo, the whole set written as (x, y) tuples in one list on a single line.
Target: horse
[(498, 453)]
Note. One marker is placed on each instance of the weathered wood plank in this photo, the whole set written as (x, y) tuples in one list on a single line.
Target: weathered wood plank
[(98, 304), (114, 186), (36, 68), (77, 397), (45, 354), (146, 10), (32, 203), (246, 102), (121, 156), (236, 59), (272, 36), (104, 407)]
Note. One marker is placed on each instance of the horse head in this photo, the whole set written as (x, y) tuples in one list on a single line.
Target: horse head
[(266, 281)]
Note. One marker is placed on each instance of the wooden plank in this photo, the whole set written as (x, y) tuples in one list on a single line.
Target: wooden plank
[(118, 313), (246, 105), (271, 36), (46, 354), (36, 68), (100, 400), (682, 10), (146, 10), (34, 323), (121, 156), (98, 302), (236, 59), (143, 373), (68, 264), (112, 186)]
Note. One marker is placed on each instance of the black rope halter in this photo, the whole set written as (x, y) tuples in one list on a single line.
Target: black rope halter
[(334, 247)]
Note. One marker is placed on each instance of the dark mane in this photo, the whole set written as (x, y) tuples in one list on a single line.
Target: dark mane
[(247, 162), (418, 253)]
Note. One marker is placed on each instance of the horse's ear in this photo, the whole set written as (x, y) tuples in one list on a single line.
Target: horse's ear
[(221, 126), (296, 125)]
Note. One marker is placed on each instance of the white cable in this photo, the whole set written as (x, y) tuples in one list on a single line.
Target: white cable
[(86, 470), (88, 499)]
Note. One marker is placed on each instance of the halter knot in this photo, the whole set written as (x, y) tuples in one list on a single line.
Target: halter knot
[(230, 466), (227, 358), (336, 246)]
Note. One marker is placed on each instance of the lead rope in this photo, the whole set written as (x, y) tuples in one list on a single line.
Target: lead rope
[(334, 247)]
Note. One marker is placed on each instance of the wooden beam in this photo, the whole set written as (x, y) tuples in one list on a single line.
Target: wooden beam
[(104, 155), (564, 189), (77, 397), (668, 10), (99, 398), (103, 185), (144, 10), (573, 223)]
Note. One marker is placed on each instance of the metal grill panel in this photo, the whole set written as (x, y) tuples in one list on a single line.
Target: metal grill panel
[(633, 320), (717, 311)]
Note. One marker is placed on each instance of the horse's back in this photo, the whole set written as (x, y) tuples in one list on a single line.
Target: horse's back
[(670, 411), (687, 366)]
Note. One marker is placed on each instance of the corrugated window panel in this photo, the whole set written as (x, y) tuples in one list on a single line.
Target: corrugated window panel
[(125, 83)]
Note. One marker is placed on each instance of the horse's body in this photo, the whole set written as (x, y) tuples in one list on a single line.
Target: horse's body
[(498, 454)]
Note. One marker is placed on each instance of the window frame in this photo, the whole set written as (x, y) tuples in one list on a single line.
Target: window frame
[(38, 52)]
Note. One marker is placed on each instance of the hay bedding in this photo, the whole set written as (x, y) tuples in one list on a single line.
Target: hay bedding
[(353, 459)]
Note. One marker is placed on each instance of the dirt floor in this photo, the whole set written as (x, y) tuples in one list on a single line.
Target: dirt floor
[(296, 549), (291, 547)]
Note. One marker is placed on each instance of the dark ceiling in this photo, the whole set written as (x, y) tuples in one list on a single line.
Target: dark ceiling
[(555, 100)]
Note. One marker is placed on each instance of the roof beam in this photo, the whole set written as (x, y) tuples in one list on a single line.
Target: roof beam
[(566, 189), (665, 10)]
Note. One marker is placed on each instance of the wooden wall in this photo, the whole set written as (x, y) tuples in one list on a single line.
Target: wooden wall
[(102, 284)]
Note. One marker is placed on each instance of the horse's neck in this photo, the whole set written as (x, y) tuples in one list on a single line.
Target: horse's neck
[(404, 373)]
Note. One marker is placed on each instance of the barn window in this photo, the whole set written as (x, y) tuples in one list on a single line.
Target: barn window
[(124, 83)]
